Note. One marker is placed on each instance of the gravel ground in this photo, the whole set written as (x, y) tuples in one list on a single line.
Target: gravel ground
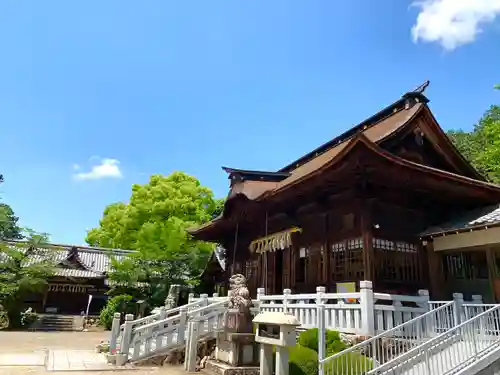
[(26, 342), (30, 341)]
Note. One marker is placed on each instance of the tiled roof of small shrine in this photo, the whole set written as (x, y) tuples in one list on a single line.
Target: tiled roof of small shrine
[(87, 262), (474, 219)]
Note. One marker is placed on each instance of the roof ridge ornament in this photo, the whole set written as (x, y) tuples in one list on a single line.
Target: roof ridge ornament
[(420, 89)]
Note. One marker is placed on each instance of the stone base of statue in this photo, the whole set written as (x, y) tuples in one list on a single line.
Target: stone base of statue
[(221, 368), (236, 353), (237, 349)]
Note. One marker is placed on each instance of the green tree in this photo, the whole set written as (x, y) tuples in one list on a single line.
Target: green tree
[(9, 230), (21, 275), (219, 207), (154, 223), (481, 146)]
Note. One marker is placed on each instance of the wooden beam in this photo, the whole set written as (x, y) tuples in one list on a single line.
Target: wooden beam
[(327, 274), (367, 234), (436, 272)]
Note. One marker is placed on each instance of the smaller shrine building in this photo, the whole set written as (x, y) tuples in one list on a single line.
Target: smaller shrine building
[(80, 272)]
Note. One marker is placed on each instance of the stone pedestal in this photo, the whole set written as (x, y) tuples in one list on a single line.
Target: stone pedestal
[(237, 349), (221, 368)]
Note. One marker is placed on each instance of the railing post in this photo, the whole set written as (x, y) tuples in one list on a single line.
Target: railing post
[(191, 346), (126, 338), (458, 301), (260, 293), (367, 303), (320, 312), (425, 305), (115, 332), (286, 296), (424, 293), (191, 297), (183, 319), (320, 291), (477, 299), (215, 295), (163, 313), (204, 300)]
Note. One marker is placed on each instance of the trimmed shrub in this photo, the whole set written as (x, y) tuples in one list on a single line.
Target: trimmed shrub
[(121, 303), (28, 317), (334, 344), (303, 361), (348, 363)]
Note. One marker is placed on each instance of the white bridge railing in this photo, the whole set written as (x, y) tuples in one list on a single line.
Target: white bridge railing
[(461, 347), (364, 313)]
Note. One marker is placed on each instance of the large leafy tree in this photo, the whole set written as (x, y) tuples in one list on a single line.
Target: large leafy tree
[(24, 268), (154, 223), (9, 230), (481, 146)]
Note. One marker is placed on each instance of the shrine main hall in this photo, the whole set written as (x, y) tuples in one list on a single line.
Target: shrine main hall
[(391, 200)]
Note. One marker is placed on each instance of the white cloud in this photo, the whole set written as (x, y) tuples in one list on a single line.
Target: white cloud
[(107, 168), (453, 23)]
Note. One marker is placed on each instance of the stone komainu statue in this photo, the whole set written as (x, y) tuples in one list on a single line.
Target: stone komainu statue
[(239, 296), (172, 297)]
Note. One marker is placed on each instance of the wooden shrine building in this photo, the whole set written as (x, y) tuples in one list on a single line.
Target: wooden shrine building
[(357, 208), (78, 272)]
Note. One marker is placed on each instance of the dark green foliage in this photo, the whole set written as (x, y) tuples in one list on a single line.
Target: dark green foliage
[(9, 230), (122, 304), (20, 277), (481, 146), (309, 339), (303, 361), (28, 317)]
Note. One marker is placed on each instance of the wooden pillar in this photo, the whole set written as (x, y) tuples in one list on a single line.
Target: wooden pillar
[(45, 295), (436, 272), (327, 274), (493, 273), (368, 252), (293, 262), (286, 267), (271, 277)]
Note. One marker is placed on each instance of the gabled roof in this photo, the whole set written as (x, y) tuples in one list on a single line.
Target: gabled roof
[(375, 133), (361, 140), (479, 218), (376, 128), (414, 96), (76, 261)]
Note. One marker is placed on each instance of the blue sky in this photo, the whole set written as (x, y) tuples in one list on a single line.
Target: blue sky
[(158, 86)]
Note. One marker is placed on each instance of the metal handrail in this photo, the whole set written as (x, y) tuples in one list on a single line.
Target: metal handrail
[(390, 344), (433, 344)]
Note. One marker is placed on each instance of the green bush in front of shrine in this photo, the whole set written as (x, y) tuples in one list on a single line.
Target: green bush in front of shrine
[(118, 304), (348, 363), (310, 339), (302, 361)]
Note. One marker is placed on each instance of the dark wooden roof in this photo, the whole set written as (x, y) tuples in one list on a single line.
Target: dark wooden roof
[(260, 186), (375, 152), (375, 133), (245, 174), (415, 95), (479, 218)]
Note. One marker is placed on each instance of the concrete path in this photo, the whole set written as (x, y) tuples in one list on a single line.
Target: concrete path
[(23, 359), (77, 360), (61, 360)]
